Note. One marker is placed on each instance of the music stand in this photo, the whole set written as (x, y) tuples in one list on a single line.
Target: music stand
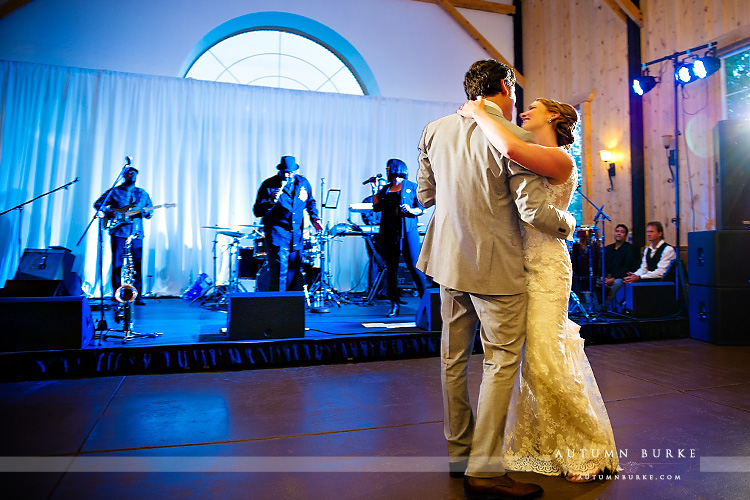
[(322, 290)]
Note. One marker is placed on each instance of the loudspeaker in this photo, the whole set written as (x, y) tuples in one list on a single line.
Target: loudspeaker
[(40, 324), (732, 159), (428, 313), (719, 258), (266, 315), (719, 315), (54, 263), (651, 299)]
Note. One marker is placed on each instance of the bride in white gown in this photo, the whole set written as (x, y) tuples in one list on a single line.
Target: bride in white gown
[(557, 422)]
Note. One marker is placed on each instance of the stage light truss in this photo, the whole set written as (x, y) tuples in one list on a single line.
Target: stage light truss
[(688, 67)]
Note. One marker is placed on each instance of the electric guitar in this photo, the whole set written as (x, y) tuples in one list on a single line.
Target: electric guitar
[(120, 216)]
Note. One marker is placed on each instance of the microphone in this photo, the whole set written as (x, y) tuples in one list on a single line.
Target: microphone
[(371, 179), (128, 160)]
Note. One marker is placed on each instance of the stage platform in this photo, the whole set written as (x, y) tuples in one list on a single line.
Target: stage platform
[(194, 339)]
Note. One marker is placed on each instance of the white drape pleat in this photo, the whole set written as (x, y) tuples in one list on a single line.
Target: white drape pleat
[(202, 145)]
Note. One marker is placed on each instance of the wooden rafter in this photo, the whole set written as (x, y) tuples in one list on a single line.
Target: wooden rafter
[(482, 5), (625, 9), (632, 11), (450, 8)]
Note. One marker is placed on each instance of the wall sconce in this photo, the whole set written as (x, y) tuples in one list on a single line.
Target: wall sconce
[(606, 157)]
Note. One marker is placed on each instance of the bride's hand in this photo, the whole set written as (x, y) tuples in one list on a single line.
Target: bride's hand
[(470, 107)]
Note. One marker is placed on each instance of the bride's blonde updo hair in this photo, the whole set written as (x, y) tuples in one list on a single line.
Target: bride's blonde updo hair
[(563, 124)]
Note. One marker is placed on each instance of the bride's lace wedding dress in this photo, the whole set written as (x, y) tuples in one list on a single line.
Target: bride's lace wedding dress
[(557, 422)]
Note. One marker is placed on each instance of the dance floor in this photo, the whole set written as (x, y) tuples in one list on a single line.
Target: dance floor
[(680, 411)]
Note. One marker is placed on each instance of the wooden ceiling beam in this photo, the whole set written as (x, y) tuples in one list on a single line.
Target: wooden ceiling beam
[(450, 8), (617, 10), (481, 5), (632, 12)]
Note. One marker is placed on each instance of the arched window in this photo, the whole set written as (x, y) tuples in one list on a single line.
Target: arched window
[(282, 50)]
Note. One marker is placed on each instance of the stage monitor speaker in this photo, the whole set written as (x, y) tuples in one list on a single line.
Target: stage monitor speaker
[(732, 159), (719, 314), (428, 313), (719, 258), (54, 263), (266, 315), (34, 288), (651, 299), (42, 324)]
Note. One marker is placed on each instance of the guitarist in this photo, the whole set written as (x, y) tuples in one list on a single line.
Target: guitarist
[(126, 197)]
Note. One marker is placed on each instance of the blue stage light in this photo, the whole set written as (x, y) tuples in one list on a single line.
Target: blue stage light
[(643, 84)]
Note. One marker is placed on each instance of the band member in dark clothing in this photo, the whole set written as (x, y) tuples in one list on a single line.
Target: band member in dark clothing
[(399, 235), (126, 197), (281, 202)]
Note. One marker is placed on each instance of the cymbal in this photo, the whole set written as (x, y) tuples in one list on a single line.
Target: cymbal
[(214, 227), (256, 226), (232, 234)]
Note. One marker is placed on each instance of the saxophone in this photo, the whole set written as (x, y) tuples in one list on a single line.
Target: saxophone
[(127, 293)]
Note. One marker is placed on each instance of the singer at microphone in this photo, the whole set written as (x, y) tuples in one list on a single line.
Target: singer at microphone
[(372, 179), (281, 203)]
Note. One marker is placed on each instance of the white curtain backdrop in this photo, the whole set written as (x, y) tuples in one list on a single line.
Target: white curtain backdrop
[(204, 146)]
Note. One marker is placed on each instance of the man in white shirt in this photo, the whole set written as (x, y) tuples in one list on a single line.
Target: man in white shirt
[(656, 256)]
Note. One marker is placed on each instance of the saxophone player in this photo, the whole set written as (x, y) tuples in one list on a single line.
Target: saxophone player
[(126, 198)]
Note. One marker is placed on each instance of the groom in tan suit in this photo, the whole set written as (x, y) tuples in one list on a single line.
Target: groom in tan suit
[(473, 248)]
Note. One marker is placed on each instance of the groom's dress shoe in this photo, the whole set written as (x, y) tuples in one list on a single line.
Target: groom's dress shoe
[(500, 488)]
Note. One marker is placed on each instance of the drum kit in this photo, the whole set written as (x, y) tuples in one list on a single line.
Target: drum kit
[(250, 262)]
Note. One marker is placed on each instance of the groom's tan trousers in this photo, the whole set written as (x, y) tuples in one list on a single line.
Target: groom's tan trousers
[(503, 321)]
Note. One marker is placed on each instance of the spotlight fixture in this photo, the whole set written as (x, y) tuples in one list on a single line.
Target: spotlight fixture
[(698, 68), (706, 66), (644, 83), (684, 73)]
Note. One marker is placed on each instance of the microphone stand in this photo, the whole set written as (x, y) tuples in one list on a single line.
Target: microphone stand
[(20, 212), (101, 325)]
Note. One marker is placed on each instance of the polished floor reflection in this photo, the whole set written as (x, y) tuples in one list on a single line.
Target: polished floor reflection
[(366, 430)]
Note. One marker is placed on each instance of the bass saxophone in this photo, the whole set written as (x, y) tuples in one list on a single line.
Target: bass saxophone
[(127, 293)]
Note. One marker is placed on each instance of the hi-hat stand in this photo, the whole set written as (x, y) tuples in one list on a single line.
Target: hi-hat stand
[(219, 299)]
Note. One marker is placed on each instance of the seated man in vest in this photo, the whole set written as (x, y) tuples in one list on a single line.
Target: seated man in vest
[(656, 256)]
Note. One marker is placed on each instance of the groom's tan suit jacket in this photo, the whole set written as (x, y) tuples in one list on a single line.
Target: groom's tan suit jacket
[(473, 242)]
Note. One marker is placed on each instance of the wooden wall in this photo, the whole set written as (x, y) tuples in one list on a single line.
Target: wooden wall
[(573, 48)]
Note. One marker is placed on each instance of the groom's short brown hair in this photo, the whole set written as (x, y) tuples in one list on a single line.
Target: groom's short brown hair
[(484, 77)]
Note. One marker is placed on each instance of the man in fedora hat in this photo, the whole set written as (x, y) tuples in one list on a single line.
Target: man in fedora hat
[(281, 202)]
